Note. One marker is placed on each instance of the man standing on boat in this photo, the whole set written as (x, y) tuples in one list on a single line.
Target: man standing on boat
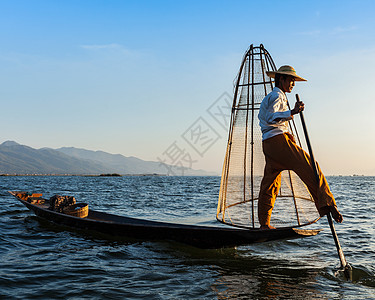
[(282, 152)]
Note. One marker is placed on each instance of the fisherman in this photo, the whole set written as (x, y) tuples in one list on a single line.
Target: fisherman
[(282, 153)]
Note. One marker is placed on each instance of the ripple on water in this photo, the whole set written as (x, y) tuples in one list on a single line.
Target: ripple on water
[(39, 259)]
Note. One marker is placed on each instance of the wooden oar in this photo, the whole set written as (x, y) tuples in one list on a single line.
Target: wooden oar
[(344, 264)]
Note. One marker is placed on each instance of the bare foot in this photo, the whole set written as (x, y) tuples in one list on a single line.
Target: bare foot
[(266, 227), (336, 214)]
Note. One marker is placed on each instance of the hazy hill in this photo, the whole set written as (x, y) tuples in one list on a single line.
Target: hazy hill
[(21, 159), (116, 162), (125, 165)]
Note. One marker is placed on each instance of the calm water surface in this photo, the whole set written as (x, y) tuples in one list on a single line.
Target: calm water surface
[(39, 260)]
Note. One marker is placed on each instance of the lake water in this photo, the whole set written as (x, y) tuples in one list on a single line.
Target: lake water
[(39, 260)]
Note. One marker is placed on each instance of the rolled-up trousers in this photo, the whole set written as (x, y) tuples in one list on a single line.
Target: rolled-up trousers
[(282, 153)]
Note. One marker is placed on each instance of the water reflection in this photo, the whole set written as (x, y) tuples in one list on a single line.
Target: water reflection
[(240, 286), (266, 280), (71, 264)]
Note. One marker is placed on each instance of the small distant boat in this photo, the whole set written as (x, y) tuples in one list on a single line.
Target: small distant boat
[(206, 237)]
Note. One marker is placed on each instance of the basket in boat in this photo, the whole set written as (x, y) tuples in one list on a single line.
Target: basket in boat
[(25, 196), (80, 210), (35, 200)]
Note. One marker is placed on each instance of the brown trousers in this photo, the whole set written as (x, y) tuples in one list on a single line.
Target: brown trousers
[(282, 153)]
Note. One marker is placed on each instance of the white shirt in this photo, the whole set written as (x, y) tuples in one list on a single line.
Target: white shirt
[(274, 114)]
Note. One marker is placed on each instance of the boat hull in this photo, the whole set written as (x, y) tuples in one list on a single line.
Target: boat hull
[(205, 237)]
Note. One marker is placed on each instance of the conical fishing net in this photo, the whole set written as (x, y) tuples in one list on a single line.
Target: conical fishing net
[(244, 160)]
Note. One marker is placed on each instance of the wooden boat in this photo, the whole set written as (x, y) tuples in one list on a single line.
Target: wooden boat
[(199, 236)]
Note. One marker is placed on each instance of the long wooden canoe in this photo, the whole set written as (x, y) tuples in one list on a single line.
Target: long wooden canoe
[(195, 235)]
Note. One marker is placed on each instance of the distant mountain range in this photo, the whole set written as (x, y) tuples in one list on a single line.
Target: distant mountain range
[(21, 159)]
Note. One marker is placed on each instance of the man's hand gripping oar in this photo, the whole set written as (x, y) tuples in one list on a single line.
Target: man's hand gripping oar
[(346, 268)]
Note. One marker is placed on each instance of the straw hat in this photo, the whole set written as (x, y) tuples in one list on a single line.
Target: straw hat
[(286, 70)]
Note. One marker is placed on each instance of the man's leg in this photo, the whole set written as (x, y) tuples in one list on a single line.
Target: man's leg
[(301, 164), (269, 189), (321, 193)]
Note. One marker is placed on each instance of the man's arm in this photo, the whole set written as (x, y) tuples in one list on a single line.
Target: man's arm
[(298, 107)]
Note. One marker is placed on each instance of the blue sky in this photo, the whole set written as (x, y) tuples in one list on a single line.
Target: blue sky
[(131, 77)]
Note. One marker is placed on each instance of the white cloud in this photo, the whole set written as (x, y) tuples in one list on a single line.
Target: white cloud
[(333, 31), (310, 33), (339, 29), (100, 47), (110, 48)]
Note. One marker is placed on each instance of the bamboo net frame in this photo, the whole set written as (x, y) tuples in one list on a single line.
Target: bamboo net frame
[(244, 160)]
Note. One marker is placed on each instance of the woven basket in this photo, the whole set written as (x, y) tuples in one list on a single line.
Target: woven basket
[(80, 210), (36, 200)]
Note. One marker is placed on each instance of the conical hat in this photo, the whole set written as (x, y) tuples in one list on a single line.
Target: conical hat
[(286, 70)]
